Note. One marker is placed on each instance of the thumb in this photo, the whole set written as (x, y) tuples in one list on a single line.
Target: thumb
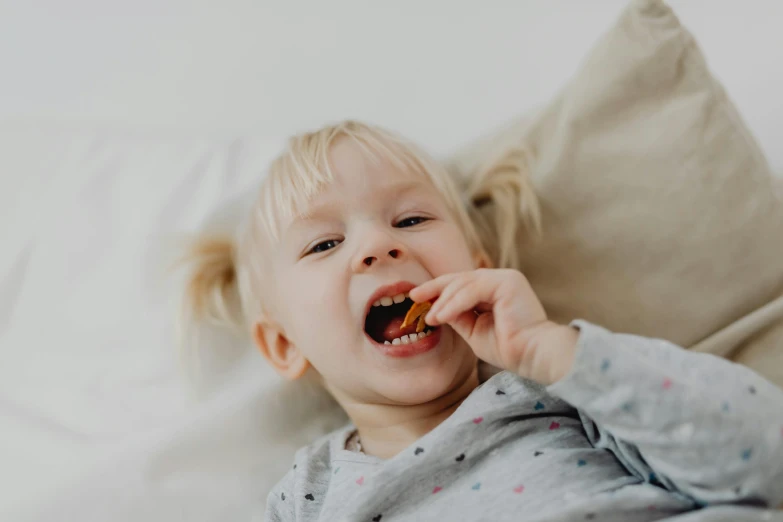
[(464, 324), (477, 330)]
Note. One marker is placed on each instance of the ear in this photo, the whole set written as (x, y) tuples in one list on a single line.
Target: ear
[(279, 351), (481, 260)]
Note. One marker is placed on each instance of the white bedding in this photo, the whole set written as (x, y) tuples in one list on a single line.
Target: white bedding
[(110, 152)]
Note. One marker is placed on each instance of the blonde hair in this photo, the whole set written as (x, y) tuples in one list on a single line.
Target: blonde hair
[(504, 207), (229, 282)]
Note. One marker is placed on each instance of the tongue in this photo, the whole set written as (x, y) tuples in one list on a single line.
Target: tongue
[(392, 330)]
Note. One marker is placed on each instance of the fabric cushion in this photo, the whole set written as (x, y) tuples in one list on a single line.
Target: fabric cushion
[(660, 214)]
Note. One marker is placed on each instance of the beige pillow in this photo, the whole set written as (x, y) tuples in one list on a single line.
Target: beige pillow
[(660, 214)]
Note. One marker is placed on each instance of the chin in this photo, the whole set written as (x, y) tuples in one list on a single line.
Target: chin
[(433, 375)]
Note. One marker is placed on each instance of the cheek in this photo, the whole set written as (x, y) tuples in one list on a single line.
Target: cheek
[(448, 252), (313, 301)]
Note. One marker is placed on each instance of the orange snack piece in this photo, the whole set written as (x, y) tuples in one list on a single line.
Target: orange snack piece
[(417, 312)]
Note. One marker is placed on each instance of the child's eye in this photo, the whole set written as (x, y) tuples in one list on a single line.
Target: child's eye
[(411, 221), (323, 246)]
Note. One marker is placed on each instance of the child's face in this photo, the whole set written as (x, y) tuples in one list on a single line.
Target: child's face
[(376, 232)]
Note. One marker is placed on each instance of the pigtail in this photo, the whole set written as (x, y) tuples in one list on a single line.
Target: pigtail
[(210, 306), (504, 207), (211, 292)]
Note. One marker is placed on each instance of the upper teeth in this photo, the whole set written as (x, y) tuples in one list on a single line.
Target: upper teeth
[(388, 301)]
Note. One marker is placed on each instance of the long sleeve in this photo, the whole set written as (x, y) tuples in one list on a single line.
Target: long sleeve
[(694, 423)]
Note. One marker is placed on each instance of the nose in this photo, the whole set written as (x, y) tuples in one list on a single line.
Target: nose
[(378, 247)]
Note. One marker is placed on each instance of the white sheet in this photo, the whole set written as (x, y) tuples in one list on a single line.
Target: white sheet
[(97, 418), (110, 151)]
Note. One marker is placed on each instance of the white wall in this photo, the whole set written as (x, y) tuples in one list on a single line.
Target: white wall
[(440, 71)]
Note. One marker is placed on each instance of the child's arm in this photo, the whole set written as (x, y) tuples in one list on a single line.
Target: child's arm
[(695, 423), (698, 424)]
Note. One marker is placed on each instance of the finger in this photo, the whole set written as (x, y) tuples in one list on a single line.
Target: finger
[(432, 288), (446, 295), (465, 299), (480, 293)]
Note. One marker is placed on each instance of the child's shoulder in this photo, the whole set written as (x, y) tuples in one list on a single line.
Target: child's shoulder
[(318, 455), (309, 462)]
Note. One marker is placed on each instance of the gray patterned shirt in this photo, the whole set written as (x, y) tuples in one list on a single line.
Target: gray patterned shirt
[(639, 430)]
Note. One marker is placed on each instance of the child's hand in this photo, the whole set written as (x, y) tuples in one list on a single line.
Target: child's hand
[(503, 321)]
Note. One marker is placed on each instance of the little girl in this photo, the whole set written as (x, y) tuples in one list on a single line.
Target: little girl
[(353, 225)]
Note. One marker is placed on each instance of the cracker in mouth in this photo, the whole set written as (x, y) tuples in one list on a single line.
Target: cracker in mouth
[(417, 312)]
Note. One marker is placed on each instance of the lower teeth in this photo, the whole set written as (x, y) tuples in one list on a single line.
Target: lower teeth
[(406, 339)]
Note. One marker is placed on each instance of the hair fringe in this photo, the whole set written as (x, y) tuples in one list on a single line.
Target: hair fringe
[(504, 207)]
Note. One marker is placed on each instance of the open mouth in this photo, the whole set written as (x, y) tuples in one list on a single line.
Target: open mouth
[(384, 321)]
